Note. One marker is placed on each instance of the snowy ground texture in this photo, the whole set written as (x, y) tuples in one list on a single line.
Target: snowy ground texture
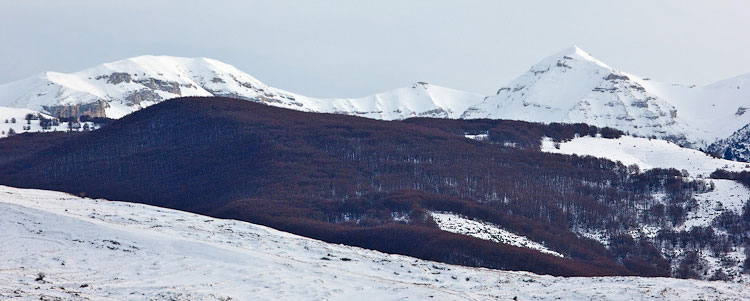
[(103, 250)]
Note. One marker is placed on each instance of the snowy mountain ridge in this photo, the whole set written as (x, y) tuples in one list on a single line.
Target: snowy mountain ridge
[(118, 88), (571, 86)]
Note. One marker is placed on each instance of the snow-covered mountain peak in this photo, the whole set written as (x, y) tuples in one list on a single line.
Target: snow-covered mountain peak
[(569, 58), (573, 86), (161, 63), (118, 88), (556, 72)]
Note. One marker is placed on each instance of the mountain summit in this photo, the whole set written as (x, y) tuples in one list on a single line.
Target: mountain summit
[(573, 86)]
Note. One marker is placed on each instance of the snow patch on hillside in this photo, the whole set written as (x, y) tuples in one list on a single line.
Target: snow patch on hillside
[(646, 153), (15, 119), (487, 231), (98, 249), (480, 137), (727, 195)]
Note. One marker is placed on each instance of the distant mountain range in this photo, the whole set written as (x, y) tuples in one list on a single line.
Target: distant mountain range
[(116, 89), (570, 86)]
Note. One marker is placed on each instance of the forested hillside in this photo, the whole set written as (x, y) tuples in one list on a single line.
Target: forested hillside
[(368, 183)]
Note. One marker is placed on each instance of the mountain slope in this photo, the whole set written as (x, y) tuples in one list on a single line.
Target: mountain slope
[(709, 210), (735, 147), (572, 86), (81, 245), (118, 88)]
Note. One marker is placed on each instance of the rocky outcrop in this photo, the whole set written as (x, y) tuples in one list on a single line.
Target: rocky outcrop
[(136, 97), (740, 111), (118, 77), (93, 109), (161, 85), (435, 113), (614, 77)]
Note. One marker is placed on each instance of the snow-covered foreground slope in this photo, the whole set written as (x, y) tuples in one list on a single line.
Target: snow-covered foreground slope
[(102, 250), (118, 88), (572, 86)]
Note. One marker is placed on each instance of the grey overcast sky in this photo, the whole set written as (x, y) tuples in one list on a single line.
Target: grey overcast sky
[(355, 48)]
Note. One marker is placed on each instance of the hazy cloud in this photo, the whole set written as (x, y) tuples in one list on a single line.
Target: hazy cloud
[(354, 48)]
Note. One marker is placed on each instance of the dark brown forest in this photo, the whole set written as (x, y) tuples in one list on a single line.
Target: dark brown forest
[(343, 179)]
